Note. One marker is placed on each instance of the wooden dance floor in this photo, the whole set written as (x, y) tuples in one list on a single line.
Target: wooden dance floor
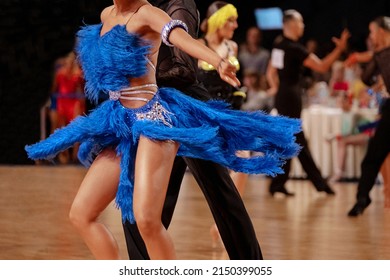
[(35, 201)]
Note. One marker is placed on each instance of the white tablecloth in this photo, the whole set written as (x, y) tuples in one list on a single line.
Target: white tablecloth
[(318, 123)]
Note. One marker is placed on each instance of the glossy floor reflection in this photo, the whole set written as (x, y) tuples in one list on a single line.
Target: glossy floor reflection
[(35, 201)]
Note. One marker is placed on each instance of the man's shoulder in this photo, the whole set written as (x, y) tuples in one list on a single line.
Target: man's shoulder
[(174, 5)]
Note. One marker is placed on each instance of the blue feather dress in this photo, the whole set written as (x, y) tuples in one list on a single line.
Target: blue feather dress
[(209, 131)]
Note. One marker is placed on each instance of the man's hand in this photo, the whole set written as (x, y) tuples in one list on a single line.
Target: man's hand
[(342, 42)]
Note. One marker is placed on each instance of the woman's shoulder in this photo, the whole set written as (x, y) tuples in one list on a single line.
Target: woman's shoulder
[(106, 11), (232, 45), (148, 11)]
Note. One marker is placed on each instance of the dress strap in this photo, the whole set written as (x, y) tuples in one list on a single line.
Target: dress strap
[(230, 50), (133, 14), (135, 98), (151, 64), (141, 89)]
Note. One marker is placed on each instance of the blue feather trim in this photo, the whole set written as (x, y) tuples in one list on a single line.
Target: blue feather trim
[(105, 59), (208, 131)]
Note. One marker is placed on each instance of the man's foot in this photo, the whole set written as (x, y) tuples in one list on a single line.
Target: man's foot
[(328, 190), (281, 189), (359, 207)]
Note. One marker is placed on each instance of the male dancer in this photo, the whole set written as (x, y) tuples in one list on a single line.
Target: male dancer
[(283, 74), (177, 69)]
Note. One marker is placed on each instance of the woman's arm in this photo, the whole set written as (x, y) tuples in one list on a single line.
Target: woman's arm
[(234, 46), (359, 57), (156, 19)]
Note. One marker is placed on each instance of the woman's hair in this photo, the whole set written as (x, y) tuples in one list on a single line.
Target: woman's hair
[(215, 6), (383, 22)]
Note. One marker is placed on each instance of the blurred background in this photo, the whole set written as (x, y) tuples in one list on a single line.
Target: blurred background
[(35, 33)]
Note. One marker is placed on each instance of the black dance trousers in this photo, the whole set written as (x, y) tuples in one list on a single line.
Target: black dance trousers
[(227, 208), (288, 103), (377, 151), (308, 164)]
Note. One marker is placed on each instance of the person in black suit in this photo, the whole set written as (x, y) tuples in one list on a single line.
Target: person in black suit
[(284, 75)]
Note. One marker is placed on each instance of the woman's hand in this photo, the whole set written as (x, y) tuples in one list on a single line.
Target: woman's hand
[(361, 57), (227, 72)]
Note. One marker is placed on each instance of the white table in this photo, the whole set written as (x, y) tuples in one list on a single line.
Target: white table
[(318, 123)]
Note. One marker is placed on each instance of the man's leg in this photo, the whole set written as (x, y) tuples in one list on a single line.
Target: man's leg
[(278, 183), (227, 207), (311, 169)]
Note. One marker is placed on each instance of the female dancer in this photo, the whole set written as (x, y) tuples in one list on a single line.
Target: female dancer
[(219, 26), (379, 145), (147, 126)]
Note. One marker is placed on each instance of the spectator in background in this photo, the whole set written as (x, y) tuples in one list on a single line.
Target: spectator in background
[(257, 97), (355, 131), (67, 90), (218, 27), (309, 76), (251, 55), (339, 87)]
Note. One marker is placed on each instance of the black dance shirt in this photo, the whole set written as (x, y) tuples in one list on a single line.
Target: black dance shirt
[(176, 68), (378, 65), (287, 57)]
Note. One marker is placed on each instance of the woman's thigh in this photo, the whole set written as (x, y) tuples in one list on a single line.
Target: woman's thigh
[(153, 167), (100, 184)]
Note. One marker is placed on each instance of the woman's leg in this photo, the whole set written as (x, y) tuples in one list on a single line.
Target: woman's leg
[(355, 140), (240, 179), (97, 190), (153, 167), (385, 171), (342, 144)]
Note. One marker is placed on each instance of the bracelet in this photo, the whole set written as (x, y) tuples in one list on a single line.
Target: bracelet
[(167, 29), (220, 63)]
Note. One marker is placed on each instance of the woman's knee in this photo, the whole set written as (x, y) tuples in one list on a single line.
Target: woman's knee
[(79, 216), (147, 225)]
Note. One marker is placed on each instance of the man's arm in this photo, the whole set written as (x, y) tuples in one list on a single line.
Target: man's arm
[(272, 79), (323, 65)]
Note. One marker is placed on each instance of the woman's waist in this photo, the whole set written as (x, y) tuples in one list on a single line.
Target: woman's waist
[(135, 95)]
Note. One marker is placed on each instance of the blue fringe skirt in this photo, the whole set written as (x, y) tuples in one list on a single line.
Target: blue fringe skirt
[(205, 130)]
